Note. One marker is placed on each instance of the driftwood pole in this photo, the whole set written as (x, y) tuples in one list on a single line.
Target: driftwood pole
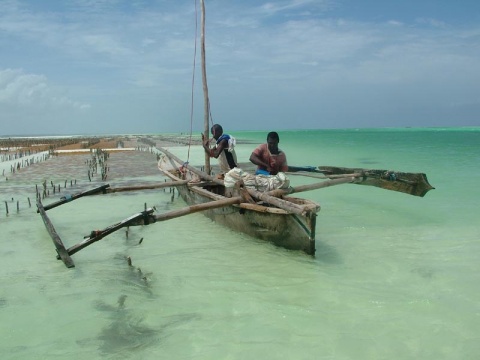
[(69, 198), (206, 102), (320, 185), (142, 218), (147, 187), (106, 189), (198, 207)]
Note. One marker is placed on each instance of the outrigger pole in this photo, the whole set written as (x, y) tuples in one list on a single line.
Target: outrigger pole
[(145, 217), (106, 189)]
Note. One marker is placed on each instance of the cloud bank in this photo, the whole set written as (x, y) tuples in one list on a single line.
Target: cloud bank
[(115, 67)]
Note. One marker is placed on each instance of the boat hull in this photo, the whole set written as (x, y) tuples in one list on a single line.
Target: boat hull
[(284, 229)]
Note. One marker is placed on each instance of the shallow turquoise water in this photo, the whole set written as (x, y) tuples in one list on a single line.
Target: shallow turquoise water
[(395, 276)]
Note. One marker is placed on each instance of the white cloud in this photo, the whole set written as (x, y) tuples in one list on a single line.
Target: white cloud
[(432, 22), (272, 8), (21, 90), (104, 43)]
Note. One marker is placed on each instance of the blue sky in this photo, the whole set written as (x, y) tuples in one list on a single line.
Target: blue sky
[(112, 66)]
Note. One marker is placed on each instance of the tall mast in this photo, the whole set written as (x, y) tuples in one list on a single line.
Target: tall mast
[(206, 103)]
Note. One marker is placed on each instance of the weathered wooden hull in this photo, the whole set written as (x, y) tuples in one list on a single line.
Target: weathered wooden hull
[(282, 228)]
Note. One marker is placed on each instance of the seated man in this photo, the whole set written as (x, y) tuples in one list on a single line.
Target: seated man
[(268, 157)]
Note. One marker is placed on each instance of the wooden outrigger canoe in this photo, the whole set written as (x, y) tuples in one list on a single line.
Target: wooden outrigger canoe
[(273, 216), (284, 220), (288, 222)]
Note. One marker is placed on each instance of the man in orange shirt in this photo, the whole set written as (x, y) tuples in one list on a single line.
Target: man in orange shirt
[(268, 157)]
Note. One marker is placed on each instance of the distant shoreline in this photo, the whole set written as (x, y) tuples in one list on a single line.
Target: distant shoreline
[(78, 144), (82, 144)]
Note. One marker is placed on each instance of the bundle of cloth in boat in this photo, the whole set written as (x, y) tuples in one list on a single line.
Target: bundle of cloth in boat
[(258, 182)]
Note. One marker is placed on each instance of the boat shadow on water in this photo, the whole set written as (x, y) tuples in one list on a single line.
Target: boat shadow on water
[(368, 161), (327, 254), (127, 334)]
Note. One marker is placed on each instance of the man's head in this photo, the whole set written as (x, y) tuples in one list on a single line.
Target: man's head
[(216, 131), (272, 142)]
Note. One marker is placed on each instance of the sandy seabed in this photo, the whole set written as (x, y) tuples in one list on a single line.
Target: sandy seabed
[(26, 164)]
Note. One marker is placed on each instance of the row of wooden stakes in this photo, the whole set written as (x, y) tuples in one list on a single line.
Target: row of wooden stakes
[(44, 193)]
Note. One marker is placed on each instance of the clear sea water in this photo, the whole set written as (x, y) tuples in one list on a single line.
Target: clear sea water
[(395, 276)]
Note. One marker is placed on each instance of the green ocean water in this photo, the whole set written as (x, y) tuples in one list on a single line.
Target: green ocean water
[(395, 276)]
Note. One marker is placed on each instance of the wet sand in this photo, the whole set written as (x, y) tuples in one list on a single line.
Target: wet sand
[(73, 169)]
